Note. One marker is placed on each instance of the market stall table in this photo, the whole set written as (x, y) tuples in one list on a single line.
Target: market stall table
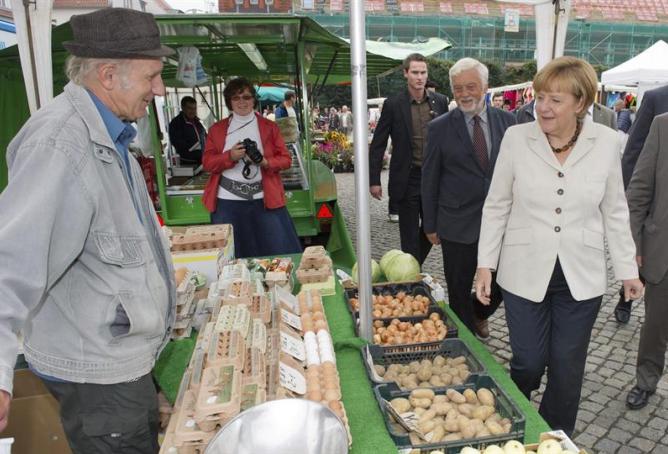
[(365, 418)]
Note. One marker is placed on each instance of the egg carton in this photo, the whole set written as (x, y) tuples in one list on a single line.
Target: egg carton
[(260, 308), (223, 229), (315, 257), (310, 300), (232, 272), (258, 336), (255, 368), (226, 348), (219, 397), (199, 241), (187, 429), (182, 333), (314, 275), (185, 292)]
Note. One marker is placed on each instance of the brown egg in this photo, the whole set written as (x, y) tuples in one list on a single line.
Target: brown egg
[(328, 366), (330, 384), (317, 306), (335, 405), (320, 324), (307, 326), (318, 315), (314, 395), (331, 394)]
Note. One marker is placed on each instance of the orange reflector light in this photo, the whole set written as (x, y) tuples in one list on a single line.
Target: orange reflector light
[(324, 212)]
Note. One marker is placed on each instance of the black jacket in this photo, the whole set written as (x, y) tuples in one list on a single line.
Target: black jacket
[(454, 186), (183, 136), (654, 102), (395, 122)]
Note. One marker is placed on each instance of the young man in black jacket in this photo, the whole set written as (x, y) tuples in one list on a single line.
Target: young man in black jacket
[(187, 134)]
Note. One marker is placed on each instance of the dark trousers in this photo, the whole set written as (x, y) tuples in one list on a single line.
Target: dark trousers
[(459, 263), (653, 336), (411, 232), (392, 207), (552, 334), (109, 419)]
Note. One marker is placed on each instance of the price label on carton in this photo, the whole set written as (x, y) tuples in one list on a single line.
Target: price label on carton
[(408, 420), (291, 379), (293, 347), (291, 319)]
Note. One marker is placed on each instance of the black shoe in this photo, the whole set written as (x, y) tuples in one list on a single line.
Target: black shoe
[(637, 398), (623, 310)]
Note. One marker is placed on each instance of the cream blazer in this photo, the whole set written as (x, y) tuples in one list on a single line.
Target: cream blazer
[(538, 210)]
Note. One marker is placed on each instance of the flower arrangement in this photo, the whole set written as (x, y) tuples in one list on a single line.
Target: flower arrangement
[(336, 152)]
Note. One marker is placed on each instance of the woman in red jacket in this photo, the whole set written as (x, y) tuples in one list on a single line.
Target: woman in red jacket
[(244, 154)]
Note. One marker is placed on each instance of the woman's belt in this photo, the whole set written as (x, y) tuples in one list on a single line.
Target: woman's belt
[(244, 190)]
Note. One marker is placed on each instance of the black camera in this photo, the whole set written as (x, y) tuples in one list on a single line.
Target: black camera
[(252, 151)]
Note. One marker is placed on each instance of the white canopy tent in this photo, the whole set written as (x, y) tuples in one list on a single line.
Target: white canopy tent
[(646, 70)]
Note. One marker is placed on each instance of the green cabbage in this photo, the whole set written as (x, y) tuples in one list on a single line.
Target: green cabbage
[(375, 272), (402, 267), (389, 255)]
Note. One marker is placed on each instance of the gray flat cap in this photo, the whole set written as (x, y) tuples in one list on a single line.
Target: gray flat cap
[(116, 33)]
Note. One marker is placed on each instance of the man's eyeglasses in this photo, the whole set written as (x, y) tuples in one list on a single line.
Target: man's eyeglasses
[(240, 97)]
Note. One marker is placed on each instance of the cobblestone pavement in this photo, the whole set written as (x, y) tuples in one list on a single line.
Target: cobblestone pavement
[(604, 424)]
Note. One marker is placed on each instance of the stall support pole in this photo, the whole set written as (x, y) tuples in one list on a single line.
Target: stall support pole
[(361, 147)]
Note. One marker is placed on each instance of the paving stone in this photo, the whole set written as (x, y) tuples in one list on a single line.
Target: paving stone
[(619, 435), (643, 444), (585, 439), (658, 424), (652, 434), (591, 406), (607, 446), (629, 450), (629, 426)]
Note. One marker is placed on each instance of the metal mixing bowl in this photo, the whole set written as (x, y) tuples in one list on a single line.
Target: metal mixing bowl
[(286, 426)]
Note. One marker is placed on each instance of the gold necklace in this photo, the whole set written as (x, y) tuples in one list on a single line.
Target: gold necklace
[(571, 142)]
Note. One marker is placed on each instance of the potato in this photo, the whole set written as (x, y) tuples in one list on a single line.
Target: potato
[(419, 411), (470, 396), (459, 360), (437, 434), (436, 381), (483, 412), (465, 409), (494, 427), (414, 366), (464, 374), (455, 396), (426, 426), (439, 399), (463, 422), (468, 432), (446, 379), (494, 417), (420, 402), (451, 425), (452, 414), (424, 384), (477, 424), (485, 397), (456, 381), (439, 361), (423, 393), (424, 373), (442, 408), (400, 405), (484, 432), (428, 415)]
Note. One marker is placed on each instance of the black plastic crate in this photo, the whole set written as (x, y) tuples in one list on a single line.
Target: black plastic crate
[(504, 406), (448, 348), (425, 346), (411, 288)]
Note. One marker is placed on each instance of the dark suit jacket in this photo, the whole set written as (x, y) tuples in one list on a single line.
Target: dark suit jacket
[(454, 186), (647, 197), (654, 102), (395, 122), (600, 114)]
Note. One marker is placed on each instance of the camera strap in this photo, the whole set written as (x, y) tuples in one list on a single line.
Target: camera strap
[(245, 191)]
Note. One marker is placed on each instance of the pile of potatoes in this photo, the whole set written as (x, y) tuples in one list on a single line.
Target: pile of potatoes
[(452, 416), (439, 372), (399, 305), (431, 329)]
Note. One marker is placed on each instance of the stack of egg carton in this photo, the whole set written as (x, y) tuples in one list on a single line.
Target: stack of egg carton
[(315, 266)]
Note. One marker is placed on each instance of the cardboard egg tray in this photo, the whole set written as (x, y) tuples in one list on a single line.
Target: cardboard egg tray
[(226, 348), (255, 368), (187, 430), (199, 241), (219, 397), (260, 308), (314, 275), (224, 229), (185, 292), (314, 257), (252, 395), (258, 336), (232, 272)]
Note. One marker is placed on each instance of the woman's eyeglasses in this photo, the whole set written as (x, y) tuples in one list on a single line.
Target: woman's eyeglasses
[(240, 97)]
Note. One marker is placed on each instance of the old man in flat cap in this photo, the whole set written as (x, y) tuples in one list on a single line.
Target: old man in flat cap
[(84, 271)]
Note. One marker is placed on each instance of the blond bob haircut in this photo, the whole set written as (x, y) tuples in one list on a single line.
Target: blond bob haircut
[(571, 75)]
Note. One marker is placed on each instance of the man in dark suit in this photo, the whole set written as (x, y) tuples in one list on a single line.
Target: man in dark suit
[(654, 102), (462, 147), (647, 197), (404, 118)]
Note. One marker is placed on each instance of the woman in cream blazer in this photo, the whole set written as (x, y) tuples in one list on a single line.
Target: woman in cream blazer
[(555, 195)]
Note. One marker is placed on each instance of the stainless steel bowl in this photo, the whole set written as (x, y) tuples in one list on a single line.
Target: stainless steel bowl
[(286, 426)]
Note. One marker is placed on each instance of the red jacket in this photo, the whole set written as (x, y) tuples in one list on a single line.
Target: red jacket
[(215, 160)]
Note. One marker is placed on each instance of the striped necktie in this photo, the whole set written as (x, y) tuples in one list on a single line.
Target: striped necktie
[(480, 144)]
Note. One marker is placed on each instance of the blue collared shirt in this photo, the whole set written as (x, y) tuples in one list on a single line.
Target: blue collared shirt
[(122, 133)]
